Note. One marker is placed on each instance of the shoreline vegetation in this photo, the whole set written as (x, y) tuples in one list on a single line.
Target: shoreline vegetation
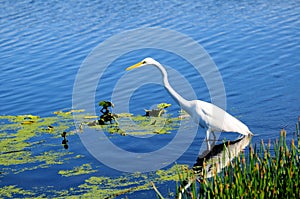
[(268, 170)]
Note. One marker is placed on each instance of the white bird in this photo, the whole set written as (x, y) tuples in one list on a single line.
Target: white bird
[(209, 116)]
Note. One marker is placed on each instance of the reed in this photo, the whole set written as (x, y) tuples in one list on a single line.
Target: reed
[(266, 171)]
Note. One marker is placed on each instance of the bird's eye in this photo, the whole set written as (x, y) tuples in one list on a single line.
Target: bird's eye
[(143, 62)]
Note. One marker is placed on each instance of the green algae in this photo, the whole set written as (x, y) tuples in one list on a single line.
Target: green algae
[(170, 174), (28, 146), (31, 143), (80, 170), (106, 187), (15, 138), (136, 125), (16, 133), (101, 186), (22, 157), (12, 191)]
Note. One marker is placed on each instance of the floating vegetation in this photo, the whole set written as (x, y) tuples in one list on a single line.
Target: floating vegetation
[(106, 187), (15, 137), (137, 125), (12, 190), (32, 146), (80, 170), (128, 124)]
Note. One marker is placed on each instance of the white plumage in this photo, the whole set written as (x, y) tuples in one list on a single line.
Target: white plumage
[(207, 115)]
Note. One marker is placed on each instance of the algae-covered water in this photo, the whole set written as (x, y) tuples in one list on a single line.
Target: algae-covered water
[(45, 162)]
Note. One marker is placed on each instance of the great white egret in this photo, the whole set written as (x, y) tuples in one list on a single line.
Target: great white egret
[(209, 116)]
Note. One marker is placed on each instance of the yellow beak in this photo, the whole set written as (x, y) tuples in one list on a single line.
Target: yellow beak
[(135, 66)]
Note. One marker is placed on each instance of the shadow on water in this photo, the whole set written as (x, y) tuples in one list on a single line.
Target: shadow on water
[(219, 156)]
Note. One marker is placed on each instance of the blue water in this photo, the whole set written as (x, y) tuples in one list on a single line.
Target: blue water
[(255, 45)]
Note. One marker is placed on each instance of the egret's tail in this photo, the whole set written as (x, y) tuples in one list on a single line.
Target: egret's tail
[(248, 135)]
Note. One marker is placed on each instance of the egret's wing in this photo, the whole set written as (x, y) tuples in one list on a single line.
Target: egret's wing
[(219, 120)]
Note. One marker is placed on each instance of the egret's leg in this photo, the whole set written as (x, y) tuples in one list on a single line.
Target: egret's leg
[(207, 139), (215, 138)]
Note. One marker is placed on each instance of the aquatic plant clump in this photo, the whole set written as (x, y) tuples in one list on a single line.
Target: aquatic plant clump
[(265, 172)]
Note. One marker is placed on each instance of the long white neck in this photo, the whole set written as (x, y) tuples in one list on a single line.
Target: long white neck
[(183, 102)]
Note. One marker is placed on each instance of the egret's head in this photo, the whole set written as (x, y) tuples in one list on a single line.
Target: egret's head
[(144, 62)]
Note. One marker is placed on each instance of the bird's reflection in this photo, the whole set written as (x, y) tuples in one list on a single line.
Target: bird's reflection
[(219, 156)]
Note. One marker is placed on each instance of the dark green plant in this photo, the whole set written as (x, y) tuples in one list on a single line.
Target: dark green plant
[(106, 116)]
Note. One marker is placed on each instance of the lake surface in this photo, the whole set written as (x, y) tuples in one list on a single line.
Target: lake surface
[(254, 44)]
